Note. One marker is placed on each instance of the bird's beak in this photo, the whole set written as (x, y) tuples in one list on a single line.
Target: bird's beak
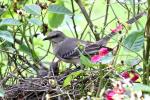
[(46, 38)]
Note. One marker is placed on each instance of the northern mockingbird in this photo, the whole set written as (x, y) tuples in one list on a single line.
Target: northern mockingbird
[(66, 49)]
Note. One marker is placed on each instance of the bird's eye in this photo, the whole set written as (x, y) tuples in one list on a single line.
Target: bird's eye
[(55, 36)]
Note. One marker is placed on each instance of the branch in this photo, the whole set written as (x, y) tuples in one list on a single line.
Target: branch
[(87, 18), (146, 51), (73, 10)]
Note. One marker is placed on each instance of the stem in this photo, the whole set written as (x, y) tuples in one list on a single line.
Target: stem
[(106, 17), (134, 12), (146, 51), (33, 54), (87, 18), (73, 20)]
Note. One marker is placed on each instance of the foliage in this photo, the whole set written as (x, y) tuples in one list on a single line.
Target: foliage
[(70, 77), (55, 17), (7, 36), (33, 9), (134, 41), (27, 63)]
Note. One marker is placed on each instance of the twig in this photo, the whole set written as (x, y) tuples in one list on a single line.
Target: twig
[(70, 29), (87, 18), (46, 52), (106, 15), (92, 6), (73, 10), (84, 31)]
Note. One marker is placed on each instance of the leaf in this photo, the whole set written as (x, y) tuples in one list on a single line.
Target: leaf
[(35, 21), (71, 77), (3, 27), (141, 87), (54, 20), (2, 92), (28, 51), (59, 9), (132, 62), (24, 49), (134, 41), (9, 21), (33, 9), (85, 61), (6, 35)]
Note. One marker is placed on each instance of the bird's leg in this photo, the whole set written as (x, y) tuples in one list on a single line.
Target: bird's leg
[(54, 68), (77, 67), (43, 71)]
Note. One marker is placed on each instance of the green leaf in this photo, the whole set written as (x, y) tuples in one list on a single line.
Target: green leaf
[(33, 9), (141, 87), (2, 92), (85, 61), (9, 21), (6, 35), (35, 21), (3, 27), (55, 20), (24, 49), (71, 77), (134, 41), (132, 62), (59, 9)]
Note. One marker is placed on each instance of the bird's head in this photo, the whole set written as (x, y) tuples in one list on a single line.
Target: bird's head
[(55, 36)]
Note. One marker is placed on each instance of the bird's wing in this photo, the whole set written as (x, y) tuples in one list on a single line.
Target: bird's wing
[(68, 49), (94, 48)]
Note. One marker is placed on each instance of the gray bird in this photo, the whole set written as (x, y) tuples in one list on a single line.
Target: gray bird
[(67, 49)]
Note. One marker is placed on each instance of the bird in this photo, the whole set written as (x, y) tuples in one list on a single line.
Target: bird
[(44, 72), (68, 49)]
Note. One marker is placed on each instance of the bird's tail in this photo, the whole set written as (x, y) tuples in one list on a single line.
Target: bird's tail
[(104, 40)]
